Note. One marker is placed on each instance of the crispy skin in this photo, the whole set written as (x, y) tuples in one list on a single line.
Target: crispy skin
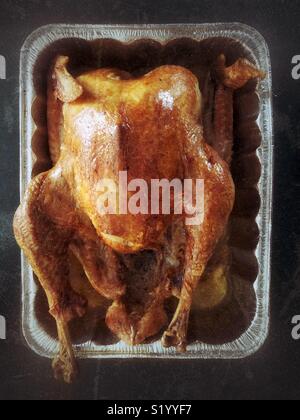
[(102, 123), (131, 128)]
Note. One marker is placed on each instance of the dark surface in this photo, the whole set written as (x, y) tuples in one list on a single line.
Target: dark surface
[(274, 372)]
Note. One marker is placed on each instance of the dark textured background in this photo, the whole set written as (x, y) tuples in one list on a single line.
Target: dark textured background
[(274, 372)]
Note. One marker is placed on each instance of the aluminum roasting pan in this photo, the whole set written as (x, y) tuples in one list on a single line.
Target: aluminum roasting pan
[(38, 337)]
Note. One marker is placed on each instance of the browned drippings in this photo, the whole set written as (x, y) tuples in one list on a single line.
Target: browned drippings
[(224, 306)]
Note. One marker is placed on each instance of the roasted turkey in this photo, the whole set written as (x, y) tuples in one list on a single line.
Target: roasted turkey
[(100, 124)]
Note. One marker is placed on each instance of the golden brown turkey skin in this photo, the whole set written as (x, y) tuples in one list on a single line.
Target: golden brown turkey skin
[(136, 126), (100, 124)]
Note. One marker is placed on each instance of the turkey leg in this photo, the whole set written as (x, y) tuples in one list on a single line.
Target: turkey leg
[(46, 246)]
